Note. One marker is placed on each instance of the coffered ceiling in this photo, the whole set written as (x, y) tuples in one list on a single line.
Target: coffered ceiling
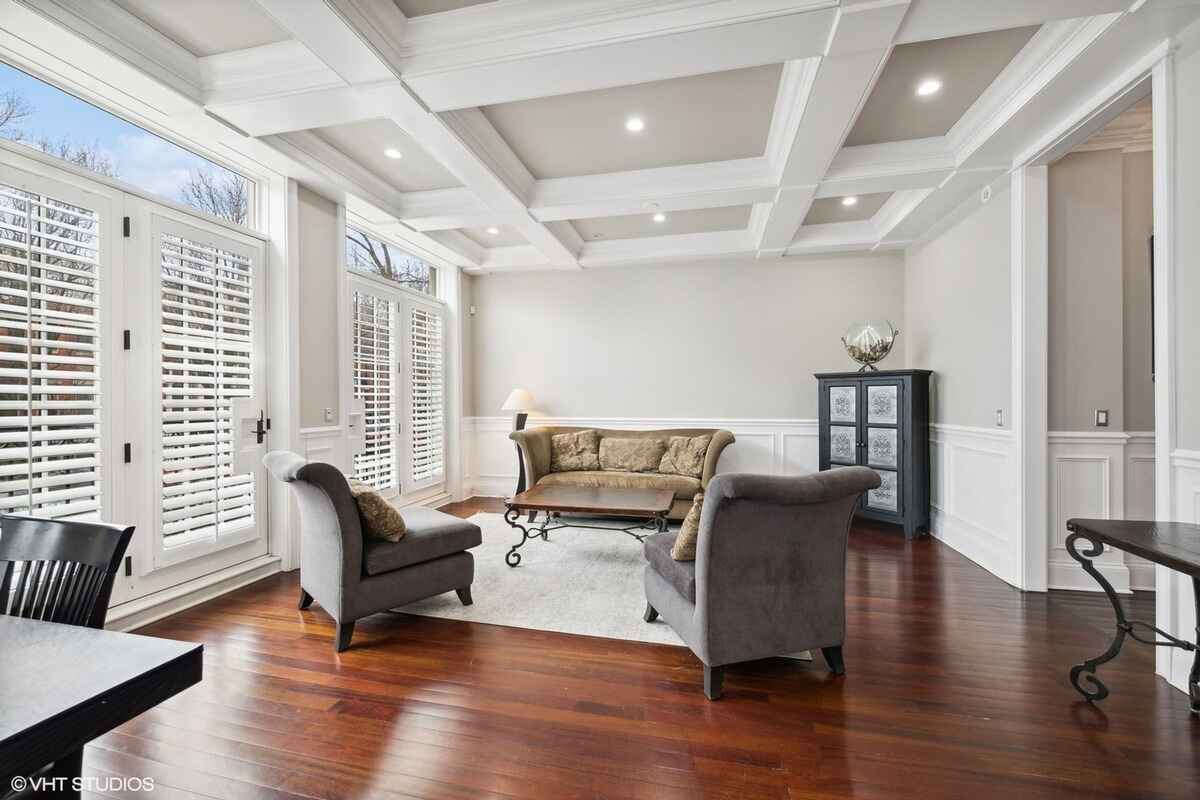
[(546, 134)]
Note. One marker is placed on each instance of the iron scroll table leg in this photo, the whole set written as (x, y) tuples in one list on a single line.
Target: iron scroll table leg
[(1083, 676)]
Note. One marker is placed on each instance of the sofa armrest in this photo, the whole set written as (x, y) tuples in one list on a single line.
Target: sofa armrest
[(720, 440), (534, 446)]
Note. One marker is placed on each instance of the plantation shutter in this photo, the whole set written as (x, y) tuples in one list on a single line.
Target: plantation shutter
[(50, 390), (374, 382), (426, 395), (206, 359)]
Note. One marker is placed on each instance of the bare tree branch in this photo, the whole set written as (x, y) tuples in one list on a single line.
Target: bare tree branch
[(371, 255), (226, 196), (90, 157), (14, 109)]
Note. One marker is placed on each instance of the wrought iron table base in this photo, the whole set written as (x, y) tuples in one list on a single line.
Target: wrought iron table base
[(542, 530), (1091, 687)]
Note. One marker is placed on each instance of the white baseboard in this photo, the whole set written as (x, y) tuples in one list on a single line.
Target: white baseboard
[(152, 607), (1070, 576)]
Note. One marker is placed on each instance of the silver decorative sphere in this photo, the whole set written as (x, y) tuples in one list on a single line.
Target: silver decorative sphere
[(868, 343)]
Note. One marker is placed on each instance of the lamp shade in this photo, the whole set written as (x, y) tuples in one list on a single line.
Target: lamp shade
[(518, 400)]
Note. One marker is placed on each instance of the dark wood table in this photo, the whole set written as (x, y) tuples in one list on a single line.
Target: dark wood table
[(1172, 544), (62, 686), (649, 506)]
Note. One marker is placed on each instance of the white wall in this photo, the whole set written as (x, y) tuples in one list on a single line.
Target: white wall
[(958, 320), (1176, 611), (957, 316), (1137, 214), (712, 340)]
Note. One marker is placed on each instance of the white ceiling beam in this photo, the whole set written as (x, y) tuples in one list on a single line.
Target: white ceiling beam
[(257, 73), (951, 194), (830, 101), (471, 151), (888, 167), (938, 19), (690, 186), (833, 237), (715, 244), (297, 112), (519, 51)]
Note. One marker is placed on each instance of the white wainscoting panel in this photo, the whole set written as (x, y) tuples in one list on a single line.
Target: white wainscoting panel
[(1102, 475), (770, 446), (1178, 614), (971, 472), (328, 443)]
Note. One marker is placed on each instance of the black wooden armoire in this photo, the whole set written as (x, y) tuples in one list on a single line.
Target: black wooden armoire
[(880, 420)]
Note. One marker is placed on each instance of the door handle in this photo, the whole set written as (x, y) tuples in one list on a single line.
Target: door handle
[(260, 432)]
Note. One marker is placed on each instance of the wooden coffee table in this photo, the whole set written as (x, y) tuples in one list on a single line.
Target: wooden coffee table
[(648, 506)]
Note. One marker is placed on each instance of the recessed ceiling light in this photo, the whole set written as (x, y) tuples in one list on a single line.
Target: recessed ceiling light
[(660, 217), (928, 87), (635, 124), (494, 231), (849, 201), (392, 152)]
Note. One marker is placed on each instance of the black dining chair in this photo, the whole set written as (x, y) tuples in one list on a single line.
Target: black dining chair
[(59, 570)]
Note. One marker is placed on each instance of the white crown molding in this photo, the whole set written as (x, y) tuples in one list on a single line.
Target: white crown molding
[(715, 244), (442, 209), (259, 73)]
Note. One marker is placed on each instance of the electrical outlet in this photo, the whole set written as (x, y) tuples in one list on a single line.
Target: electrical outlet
[(999, 417), (329, 415), (1101, 417)]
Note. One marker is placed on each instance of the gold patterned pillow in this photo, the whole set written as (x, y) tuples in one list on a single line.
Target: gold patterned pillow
[(380, 519), (685, 455), (571, 452), (631, 455), (684, 548)]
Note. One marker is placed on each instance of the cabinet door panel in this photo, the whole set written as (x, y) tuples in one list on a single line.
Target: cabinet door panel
[(843, 404), (882, 447), (843, 444), (883, 404), (887, 496)]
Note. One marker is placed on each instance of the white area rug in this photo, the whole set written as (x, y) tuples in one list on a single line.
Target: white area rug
[(581, 581)]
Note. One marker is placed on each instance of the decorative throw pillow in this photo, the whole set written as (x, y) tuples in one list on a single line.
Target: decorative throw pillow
[(570, 452), (685, 455), (684, 548), (631, 455), (380, 519)]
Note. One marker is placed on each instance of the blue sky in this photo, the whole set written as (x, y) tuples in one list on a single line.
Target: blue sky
[(141, 158)]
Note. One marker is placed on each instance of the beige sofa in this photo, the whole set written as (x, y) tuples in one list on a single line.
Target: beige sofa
[(534, 444)]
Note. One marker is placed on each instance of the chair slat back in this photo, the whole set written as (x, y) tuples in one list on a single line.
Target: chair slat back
[(59, 570)]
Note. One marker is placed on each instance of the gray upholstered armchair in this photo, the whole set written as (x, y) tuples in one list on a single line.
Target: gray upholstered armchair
[(351, 577), (770, 571)]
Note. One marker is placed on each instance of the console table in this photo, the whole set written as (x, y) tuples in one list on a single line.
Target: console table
[(1171, 544)]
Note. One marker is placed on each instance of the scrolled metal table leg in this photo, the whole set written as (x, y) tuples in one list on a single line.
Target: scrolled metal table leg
[(1095, 688), (512, 557)]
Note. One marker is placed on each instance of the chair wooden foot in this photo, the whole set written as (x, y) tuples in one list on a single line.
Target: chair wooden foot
[(342, 638), (464, 594), (833, 657), (651, 613), (713, 678), (306, 599)]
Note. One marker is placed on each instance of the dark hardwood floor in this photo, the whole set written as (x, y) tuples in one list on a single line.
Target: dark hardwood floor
[(956, 687)]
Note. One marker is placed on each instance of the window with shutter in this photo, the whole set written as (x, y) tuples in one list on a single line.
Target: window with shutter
[(50, 390), (426, 395), (374, 381), (206, 362)]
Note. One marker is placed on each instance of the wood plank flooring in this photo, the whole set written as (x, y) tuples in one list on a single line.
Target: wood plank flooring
[(956, 687)]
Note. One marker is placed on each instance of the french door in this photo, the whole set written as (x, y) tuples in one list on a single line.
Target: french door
[(130, 358), (398, 377)]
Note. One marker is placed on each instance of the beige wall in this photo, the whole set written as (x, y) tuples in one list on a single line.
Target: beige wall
[(1086, 306), (320, 239), (957, 314), (1137, 214), (711, 340), (1101, 216)]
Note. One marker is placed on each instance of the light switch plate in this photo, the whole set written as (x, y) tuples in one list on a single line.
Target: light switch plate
[(999, 417), (1101, 417), (329, 415)]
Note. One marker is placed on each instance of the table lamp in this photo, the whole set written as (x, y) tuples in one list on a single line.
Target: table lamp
[(520, 402)]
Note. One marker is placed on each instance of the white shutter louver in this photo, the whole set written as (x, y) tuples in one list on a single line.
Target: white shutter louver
[(374, 381), (426, 395), (50, 391), (207, 349)]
